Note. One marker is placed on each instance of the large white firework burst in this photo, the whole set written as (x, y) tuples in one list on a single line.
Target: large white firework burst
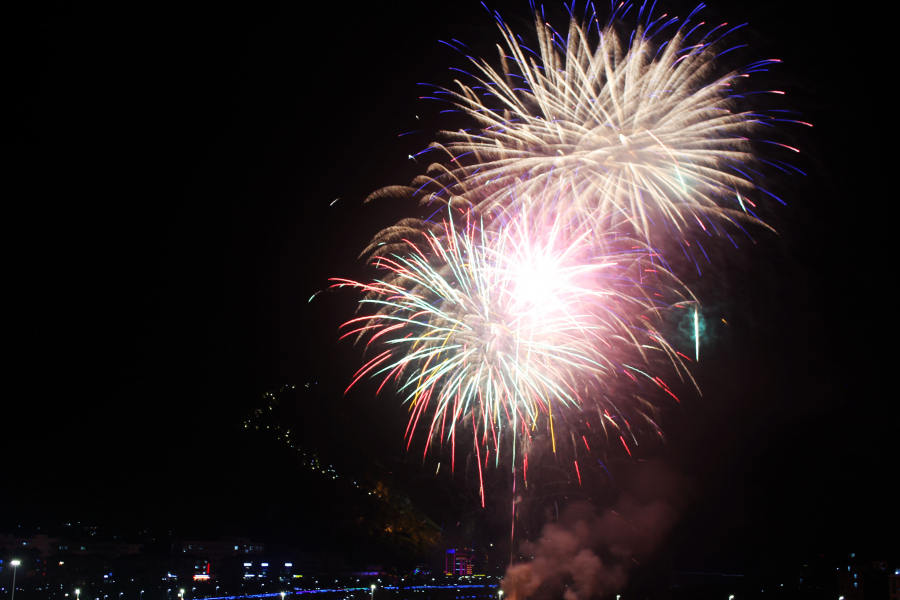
[(644, 128)]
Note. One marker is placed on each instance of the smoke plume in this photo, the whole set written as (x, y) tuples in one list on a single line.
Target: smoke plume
[(588, 553)]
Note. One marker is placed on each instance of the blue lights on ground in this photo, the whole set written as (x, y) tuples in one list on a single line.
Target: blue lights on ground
[(298, 591), (246, 596)]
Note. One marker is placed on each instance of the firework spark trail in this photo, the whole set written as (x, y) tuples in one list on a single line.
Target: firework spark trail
[(643, 129), (697, 335), (499, 326)]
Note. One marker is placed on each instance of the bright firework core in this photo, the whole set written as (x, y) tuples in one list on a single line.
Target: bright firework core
[(537, 281), (493, 330), (544, 266)]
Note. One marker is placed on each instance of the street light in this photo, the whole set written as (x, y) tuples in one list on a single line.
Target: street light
[(181, 595), (373, 591), (15, 565), (77, 591)]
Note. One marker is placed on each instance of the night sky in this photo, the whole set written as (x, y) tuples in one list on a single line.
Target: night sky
[(169, 186)]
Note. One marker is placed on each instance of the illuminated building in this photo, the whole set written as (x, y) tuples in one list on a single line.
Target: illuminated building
[(214, 552), (869, 579), (458, 562)]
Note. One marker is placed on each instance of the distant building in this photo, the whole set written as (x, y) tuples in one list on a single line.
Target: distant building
[(259, 568), (46, 545), (367, 571), (281, 567), (458, 563), (107, 549), (263, 568), (49, 546), (862, 581), (215, 552)]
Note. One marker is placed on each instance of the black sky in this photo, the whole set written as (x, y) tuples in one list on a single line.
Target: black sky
[(169, 184)]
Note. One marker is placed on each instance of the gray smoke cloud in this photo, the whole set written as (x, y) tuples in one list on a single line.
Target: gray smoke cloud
[(590, 552)]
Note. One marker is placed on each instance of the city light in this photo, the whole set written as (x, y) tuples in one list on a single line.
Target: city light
[(15, 565)]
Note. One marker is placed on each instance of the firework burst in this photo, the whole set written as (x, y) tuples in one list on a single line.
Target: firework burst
[(643, 128), (540, 293), (484, 330)]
